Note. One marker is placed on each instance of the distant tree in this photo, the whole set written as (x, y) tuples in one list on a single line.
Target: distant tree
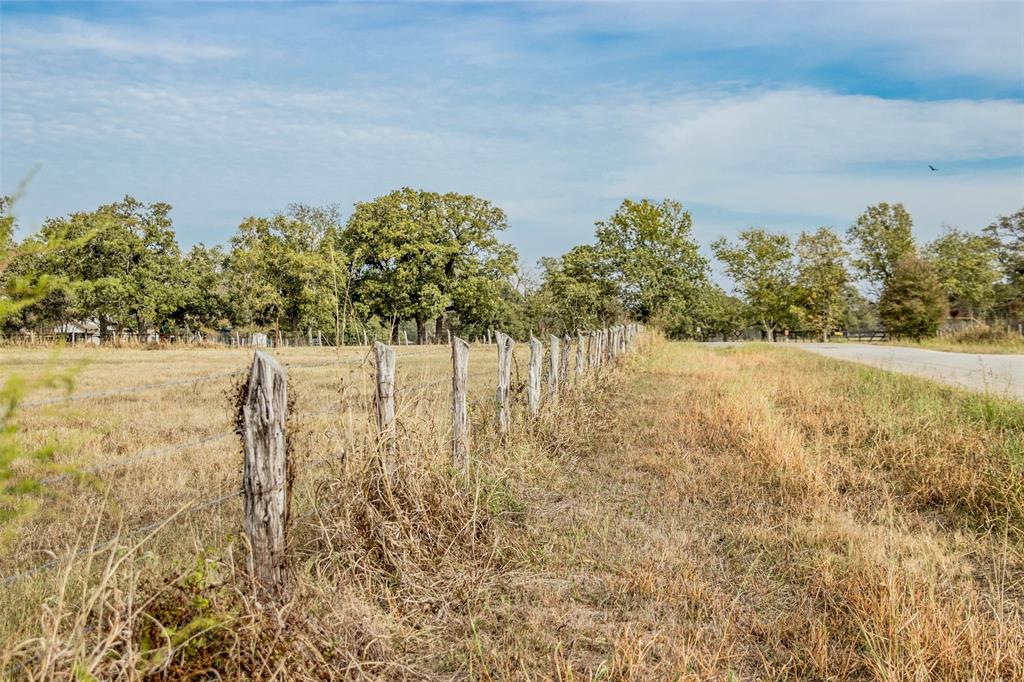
[(1008, 231), (24, 284), (398, 245), (858, 312), (821, 280), (968, 270), (712, 313), (881, 236), (651, 255), (761, 266), (204, 297), (913, 303), (421, 255), (278, 274), (582, 290), (476, 267), (121, 262)]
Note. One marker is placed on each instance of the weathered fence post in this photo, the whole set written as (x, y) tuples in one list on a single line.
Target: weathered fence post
[(265, 483), (460, 415), (563, 366), (553, 362), (505, 345), (385, 361), (533, 376), (581, 358)]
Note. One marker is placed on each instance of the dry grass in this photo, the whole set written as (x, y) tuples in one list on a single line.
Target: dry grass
[(746, 513), (977, 339)]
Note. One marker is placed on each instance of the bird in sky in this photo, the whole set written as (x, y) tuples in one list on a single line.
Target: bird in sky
[(932, 167)]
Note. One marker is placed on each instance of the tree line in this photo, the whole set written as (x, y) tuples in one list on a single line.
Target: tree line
[(878, 275), (423, 262)]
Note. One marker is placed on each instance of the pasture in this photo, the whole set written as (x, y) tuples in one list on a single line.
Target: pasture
[(697, 513)]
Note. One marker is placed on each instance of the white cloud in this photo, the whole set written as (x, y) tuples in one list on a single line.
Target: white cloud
[(817, 153), (557, 153), (74, 35)]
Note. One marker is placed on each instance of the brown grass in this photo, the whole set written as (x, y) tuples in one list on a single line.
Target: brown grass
[(979, 338), (743, 513)]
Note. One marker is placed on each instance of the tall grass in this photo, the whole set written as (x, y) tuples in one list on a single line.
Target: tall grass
[(751, 513)]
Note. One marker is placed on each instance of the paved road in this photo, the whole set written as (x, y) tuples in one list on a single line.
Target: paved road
[(998, 374)]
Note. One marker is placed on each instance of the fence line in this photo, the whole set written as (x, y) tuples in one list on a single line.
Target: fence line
[(266, 479), (198, 379)]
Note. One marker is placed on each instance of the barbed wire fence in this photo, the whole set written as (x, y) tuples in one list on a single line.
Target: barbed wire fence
[(263, 428)]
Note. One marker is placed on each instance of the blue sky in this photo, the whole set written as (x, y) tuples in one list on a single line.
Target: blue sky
[(788, 115)]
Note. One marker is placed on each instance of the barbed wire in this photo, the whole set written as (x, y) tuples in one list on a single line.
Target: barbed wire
[(202, 378), (100, 546), (141, 456), (165, 451)]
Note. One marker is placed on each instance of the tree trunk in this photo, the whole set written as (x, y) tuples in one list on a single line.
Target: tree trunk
[(421, 332), (439, 327)]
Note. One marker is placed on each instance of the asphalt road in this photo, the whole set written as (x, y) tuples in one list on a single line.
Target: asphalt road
[(997, 374)]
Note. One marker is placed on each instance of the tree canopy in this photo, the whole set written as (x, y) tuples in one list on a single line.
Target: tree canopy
[(761, 265), (650, 254), (881, 236), (424, 260)]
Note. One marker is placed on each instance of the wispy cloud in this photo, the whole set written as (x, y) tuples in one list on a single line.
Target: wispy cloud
[(747, 112), (74, 35)]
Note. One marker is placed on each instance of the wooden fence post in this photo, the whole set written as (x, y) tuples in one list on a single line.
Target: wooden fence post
[(534, 374), (460, 415), (385, 361), (553, 361), (505, 345), (581, 358), (563, 366), (266, 484)]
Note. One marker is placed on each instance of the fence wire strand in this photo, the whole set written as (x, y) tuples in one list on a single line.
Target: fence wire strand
[(100, 546), (199, 379)]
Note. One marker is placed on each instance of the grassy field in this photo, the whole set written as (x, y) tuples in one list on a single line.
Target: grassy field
[(751, 512), (1004, 347), (977, 339)]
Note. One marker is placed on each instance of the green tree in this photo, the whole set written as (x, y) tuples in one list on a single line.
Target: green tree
[(421, 255), (475, 267), (858, 312), (821, 280), (881, 236), (204, 297), (1008, 232), (968, 270), (398, 247), (913, 303), (651, 256), (713, 313), (761, 266), (581, 291), (121, 262), (279, 273)]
